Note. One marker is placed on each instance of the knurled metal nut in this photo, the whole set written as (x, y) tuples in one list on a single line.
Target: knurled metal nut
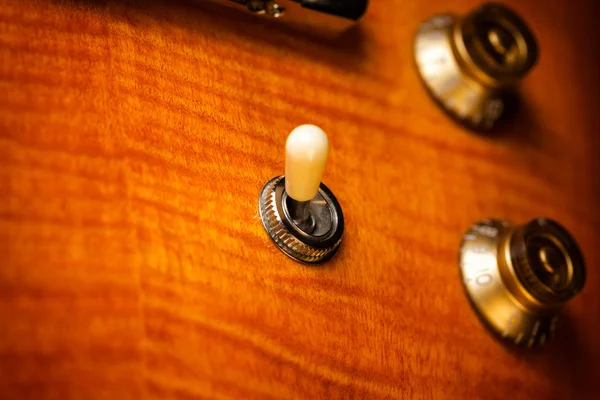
[(291, 243)]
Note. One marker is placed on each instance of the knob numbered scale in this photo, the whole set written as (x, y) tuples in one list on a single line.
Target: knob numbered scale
[(518, 278)]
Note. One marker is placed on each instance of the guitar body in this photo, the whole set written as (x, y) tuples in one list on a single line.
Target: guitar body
[(135, 137)]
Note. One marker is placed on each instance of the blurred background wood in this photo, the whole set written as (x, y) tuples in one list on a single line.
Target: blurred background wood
[(135, 137)]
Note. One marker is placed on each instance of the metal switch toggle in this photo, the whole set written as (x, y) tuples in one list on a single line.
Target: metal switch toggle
[(300, 213)]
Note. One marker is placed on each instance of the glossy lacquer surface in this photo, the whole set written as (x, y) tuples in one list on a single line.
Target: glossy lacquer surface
[(135, 137)]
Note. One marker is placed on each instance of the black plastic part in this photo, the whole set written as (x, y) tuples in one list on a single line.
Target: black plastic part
[(351, 9)]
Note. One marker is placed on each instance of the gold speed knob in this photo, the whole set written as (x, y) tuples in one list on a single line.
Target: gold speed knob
[(471, 65), (517, 278)]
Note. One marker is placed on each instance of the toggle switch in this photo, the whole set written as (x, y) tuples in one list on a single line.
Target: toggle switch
[(300, 214), (519, 277), (472, 65)]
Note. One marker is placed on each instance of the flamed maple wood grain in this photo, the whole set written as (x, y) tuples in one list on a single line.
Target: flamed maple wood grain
[(135, 137)]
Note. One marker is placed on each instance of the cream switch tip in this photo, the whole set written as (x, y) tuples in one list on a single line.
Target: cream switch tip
[(306, 152)]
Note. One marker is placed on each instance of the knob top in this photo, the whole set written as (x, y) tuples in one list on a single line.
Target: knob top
[(498, 42), (548, 261), (306, 151)]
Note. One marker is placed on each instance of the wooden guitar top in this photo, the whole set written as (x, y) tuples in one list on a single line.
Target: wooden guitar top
[(135, 137)]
